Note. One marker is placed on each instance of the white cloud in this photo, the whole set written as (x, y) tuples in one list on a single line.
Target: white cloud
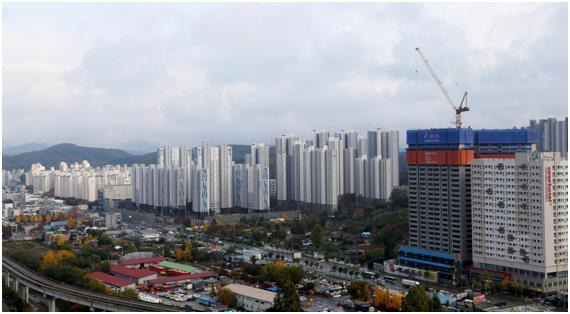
[(225, 108), (376, 84), (181, 73)]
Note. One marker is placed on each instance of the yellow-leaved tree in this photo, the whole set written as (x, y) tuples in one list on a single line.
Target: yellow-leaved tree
[(187, 251), (52, 257)]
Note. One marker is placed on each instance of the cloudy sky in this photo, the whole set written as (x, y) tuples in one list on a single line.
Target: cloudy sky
[(107, 74)]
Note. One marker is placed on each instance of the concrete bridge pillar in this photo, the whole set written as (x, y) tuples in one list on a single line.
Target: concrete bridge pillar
[(25, 293), (17, 285), (51, 304), (7, 278)]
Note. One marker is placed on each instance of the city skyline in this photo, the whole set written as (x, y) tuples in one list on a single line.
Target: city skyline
[(95, 78)]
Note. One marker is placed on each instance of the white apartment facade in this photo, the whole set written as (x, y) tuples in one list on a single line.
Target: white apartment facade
[(520, 218), (319, 170)]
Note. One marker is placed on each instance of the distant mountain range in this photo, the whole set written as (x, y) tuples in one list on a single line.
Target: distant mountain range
[(23, 148), (70, 153)]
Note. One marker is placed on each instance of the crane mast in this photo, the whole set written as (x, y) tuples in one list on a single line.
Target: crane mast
[(458, 109)]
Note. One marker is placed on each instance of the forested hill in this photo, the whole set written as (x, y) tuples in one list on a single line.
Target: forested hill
[(70, 153)]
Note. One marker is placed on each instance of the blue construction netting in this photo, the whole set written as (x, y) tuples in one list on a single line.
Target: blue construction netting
[(449, 136), (466, 137), (505, 137)]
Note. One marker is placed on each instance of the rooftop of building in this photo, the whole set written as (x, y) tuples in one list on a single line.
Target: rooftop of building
[(162, 280), (142, 260), (425, 252), (110, 280), (183, 267), (131, 272), (251, 292)]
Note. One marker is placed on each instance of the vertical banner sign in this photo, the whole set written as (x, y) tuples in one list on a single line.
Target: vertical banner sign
[(548, 180)]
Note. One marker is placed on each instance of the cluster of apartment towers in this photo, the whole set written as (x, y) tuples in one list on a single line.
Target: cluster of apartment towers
[(319, 170), (205, 176), (315, 171)]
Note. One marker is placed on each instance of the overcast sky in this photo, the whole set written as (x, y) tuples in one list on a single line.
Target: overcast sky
[(106, 74)]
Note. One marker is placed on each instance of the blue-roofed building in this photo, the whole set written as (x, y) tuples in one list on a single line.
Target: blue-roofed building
[(58, 225)]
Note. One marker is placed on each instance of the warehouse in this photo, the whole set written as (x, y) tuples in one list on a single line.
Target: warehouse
[(114, 283), (139, 276), (180, 267), (181, 278), (252, 299), (141, 262)]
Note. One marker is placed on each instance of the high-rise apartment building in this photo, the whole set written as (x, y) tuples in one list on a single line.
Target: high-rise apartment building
[(439, 183), (520, 219), (319, 170), (226, 181), (552, 135), (201, 191), (389, 149), (440, 218)]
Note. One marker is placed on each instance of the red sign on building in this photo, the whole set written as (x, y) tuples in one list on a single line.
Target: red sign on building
[(548, 183)]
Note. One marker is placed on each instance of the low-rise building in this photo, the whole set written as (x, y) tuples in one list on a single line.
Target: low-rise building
[(139, 276), (181, 278), (252, 299), (141, 262), (149, 235), (112, 221), (114, 283)]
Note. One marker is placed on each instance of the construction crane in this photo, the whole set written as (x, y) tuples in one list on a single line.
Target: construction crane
[(458, 109)]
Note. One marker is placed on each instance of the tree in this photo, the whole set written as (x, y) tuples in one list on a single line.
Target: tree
[(129, 294), (105, 266), (399, 198), (104, 240), (360, 290), (53, 257), (381, 298), (226, 296), (317, 236), (395, 303), (435, 304), (518, 287), (280, 273), (287, 300), (60, 240), (253, 259), (71, 223), (187, 251), (417, 300), (179, 254)]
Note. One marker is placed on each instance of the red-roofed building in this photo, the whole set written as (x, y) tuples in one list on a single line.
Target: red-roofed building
[(115, 283), (181, 278), (139, 276), (142, 262)]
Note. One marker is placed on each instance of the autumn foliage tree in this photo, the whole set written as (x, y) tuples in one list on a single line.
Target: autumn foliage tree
[(187, 251), (60, 240), (52, 257), (179, 254), (385, 301), (226, 296)]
